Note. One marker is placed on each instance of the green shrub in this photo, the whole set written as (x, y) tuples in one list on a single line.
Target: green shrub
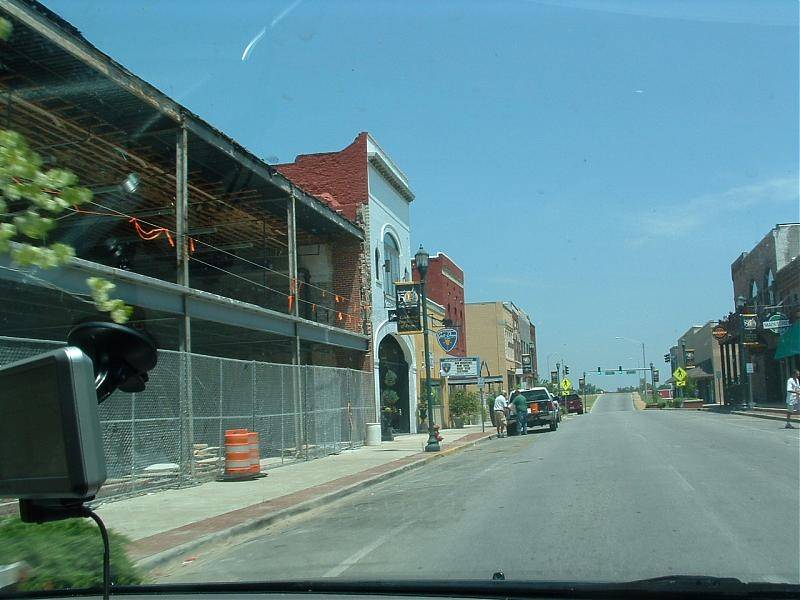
[(677, 402), (464, 404), (662, 404), (64, 554)]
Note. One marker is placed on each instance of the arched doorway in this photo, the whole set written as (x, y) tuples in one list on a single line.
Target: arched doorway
[(393, 373)]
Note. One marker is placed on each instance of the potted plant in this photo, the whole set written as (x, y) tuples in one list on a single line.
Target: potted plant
[(389, 400), (463, 405)]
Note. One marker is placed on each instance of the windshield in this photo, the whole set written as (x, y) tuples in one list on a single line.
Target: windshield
[(346, 233)]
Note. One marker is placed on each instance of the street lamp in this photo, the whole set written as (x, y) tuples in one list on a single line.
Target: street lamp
[(741, 304), (644, 363), (421, 260)]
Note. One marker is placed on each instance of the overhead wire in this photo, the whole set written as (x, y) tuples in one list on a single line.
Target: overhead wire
[(169, 231)]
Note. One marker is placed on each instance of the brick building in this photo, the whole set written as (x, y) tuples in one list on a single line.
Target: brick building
[(362, 183), (756, 290), (445, 286)]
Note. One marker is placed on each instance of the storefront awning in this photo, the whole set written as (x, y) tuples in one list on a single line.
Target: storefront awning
[(698, 373), (789, 343)]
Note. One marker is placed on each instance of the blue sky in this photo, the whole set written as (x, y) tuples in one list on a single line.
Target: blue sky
[(601, 164)]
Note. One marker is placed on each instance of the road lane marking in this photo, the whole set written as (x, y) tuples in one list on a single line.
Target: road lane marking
[(354, 558), (684, 484)]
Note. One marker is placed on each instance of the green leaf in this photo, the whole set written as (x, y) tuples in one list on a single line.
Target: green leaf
[(62, 252), (100, 286), (76, 195), (59, 178), (5, 28), (33, 225), (7, 232)]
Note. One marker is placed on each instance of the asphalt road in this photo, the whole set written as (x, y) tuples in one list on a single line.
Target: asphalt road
[(617, 494)]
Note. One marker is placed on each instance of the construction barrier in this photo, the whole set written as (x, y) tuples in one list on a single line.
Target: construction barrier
[(238, 454)]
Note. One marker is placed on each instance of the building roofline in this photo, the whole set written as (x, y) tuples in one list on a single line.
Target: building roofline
[(379, 159), (448, 257)]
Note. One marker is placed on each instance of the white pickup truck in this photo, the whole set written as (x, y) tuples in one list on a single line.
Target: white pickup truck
[(542, 410)]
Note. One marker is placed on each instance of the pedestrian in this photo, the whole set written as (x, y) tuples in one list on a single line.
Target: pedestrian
[(500, 406), (521, 405), (792, 397)]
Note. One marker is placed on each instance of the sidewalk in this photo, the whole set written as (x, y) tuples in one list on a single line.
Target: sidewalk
[(167, 524), (773, 412)]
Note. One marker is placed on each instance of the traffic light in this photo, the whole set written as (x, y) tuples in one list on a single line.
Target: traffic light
[(598, 369), (666, 358), (566, 370), (620, 368)]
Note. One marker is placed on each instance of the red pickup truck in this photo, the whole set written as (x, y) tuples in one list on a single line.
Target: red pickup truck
[(573, 402)]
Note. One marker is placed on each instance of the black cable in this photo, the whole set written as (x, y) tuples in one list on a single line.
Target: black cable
[(106, 551)]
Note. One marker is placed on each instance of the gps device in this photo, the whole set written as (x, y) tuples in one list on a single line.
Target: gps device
[(50, 439)]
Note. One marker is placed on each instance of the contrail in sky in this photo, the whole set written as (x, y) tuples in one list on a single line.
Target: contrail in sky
[(280, 17), (252, 43), (285, 12)]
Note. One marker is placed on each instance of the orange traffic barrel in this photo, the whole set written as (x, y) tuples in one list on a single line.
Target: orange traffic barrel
[(255, 455), (238, 462)]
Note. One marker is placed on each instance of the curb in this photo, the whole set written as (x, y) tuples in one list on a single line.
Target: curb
[(161, 558), (753, 414), (763, 416)]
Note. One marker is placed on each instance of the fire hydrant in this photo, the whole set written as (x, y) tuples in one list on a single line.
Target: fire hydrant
[(439, 437)]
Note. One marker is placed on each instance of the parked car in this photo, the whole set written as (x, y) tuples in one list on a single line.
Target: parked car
[(542, 410), (573, 402)]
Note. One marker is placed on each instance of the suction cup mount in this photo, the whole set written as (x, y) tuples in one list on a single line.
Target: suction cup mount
[(122, 356)]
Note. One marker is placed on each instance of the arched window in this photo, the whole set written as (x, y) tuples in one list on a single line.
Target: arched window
[(391, 251), (753, 289), (769, 288)]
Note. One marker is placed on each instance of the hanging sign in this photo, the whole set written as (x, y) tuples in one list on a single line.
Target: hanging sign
[(408, 303), (447, 338)]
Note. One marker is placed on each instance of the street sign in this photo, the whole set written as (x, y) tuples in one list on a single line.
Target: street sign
[(566, 385), (777, 323), (554, 377), (680, 375), (456, 368), (719, 332), (527, 363), (610, 372), (582, 382), (630, 372), (481, 381), (748, 368), (681, 383), (447, 338), (408, 304)]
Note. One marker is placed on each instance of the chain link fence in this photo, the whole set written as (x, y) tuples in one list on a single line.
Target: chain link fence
[(173, 433)]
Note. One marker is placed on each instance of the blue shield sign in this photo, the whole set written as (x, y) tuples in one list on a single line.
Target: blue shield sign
[(448, 338)]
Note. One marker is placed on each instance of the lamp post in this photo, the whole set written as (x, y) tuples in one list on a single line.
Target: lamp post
[(644, 363), (421, 260), (741, 304)]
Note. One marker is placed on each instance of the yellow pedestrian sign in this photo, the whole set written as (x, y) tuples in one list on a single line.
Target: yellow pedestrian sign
[(566, 384), (680, 376)]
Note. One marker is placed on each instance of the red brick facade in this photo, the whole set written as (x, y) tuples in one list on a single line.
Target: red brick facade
[(442, 289), (339, 178)]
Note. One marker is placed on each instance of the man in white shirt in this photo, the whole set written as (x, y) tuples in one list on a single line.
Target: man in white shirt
[(500, 406), (792, 397)]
